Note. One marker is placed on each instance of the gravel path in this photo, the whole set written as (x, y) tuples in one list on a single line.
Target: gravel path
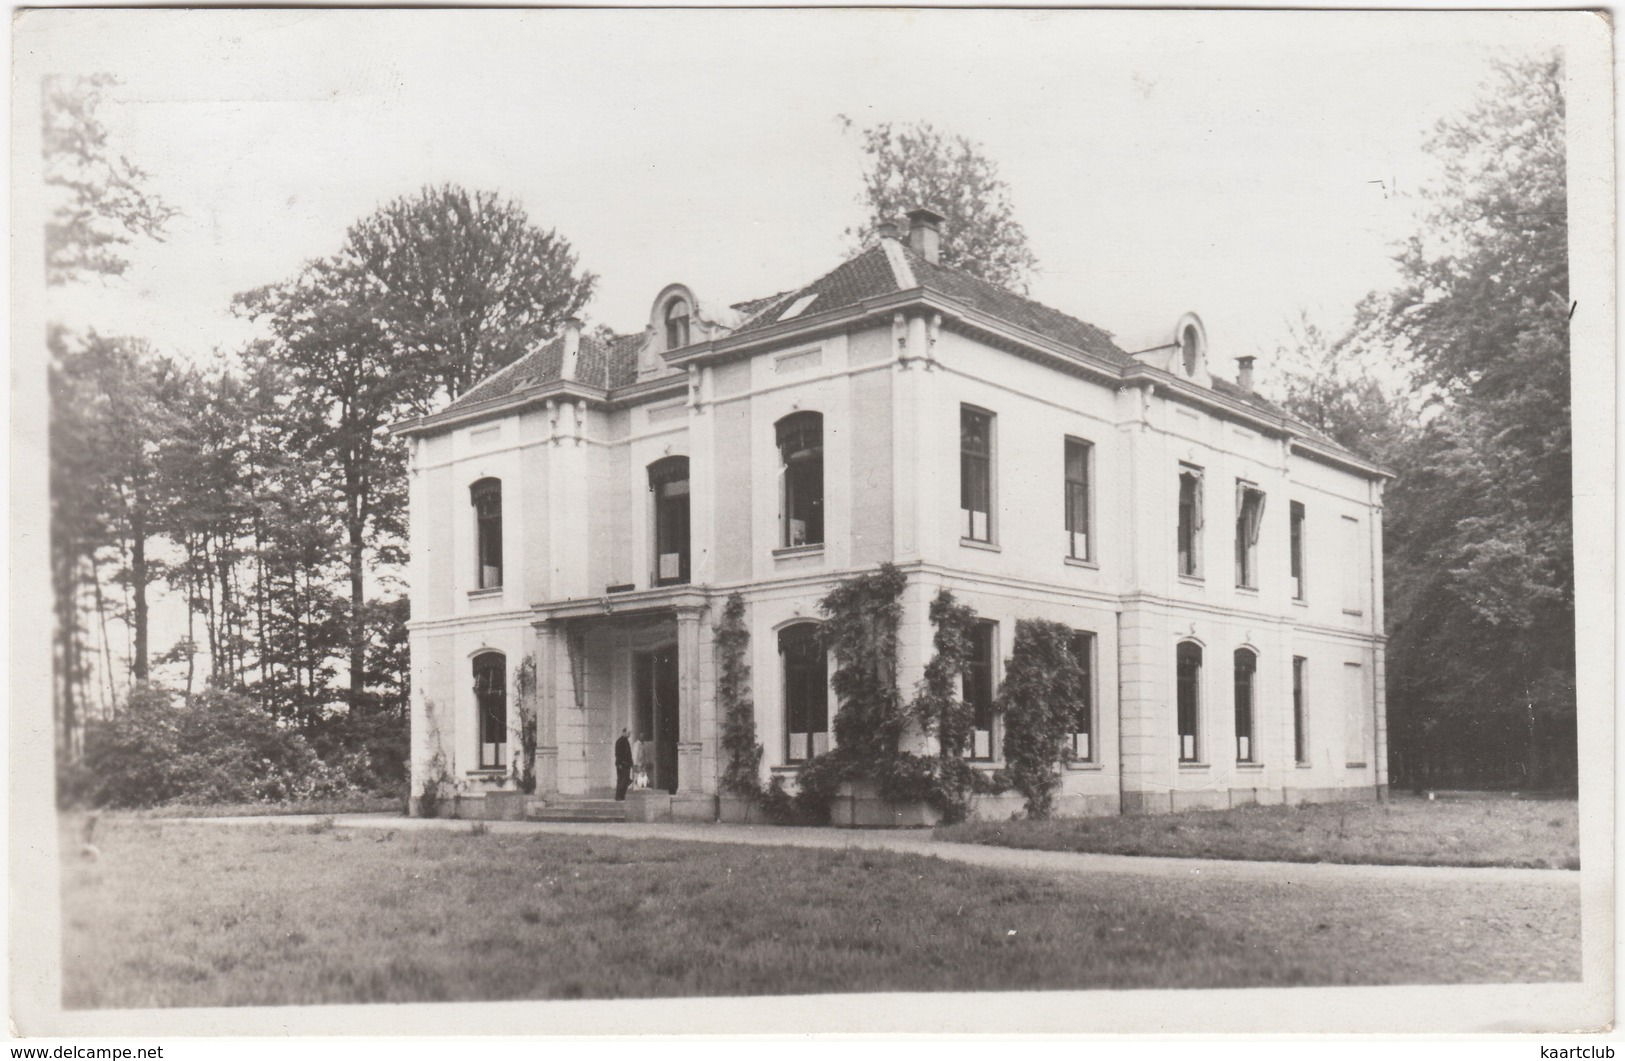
[(921, 843)]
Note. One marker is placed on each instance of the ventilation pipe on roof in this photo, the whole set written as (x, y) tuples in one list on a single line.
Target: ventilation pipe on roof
[(1244, 373), (887, 230), (925, 233), (572, 347)]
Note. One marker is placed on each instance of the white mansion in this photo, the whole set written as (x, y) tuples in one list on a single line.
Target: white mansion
[(578, 519)]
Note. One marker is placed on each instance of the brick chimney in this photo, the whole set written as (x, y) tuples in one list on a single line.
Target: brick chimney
[(925, 233), (887, 230), (1244, 373), (572, 347)]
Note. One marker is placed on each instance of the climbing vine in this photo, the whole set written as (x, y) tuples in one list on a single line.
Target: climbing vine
[(524, 686), (861, 617), (436, 777), (742, 773), (1043, 684), (938, 708)]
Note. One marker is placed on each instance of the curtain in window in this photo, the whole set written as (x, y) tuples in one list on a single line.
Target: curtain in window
[(806, 692), (1189, 694), (1190, 521), (1077, 499), (801, 470), (491, 699), (1246, 667), (975, 474)]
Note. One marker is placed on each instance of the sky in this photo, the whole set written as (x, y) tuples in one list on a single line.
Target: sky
[(1247, 166)]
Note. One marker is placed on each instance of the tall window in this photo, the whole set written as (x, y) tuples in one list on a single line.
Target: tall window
[(978, 680), (1083, 709), (975, 474), (676, 324), (1354, 567), (806, 692), (1300, 720), (1246, 671), (1077, 499), (668, 481), (1296, 524), (1249, 517), (1190, 521), (801, 474), (1189, 700), (487, 497), (491, 700), (1357, 708)]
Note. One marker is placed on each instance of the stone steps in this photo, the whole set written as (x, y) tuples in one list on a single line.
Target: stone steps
[(576, 810)]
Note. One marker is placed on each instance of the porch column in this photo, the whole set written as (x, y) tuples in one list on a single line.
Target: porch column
[(545, 637), (696, 787)]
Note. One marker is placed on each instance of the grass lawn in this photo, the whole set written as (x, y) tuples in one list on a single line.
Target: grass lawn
[(192, 914), (1537, 834)]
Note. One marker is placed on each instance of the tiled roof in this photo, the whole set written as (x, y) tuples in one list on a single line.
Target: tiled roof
[(865, 276), (614, 364), (1009, 306)]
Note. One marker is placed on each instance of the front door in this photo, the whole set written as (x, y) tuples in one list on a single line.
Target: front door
[(657, 714)]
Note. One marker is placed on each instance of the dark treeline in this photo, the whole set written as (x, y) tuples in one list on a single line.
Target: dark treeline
[(1479, 556)]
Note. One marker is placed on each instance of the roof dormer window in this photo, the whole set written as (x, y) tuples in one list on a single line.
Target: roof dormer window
[(1189, 349), (676, 324)]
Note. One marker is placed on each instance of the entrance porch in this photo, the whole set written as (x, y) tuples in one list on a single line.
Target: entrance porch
[(640, 662)]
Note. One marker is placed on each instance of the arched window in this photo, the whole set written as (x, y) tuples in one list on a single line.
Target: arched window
[(668, 481), (806, 692), (676, 324), (1189, 701), (487, 497), (491, 700), (1189, 349), (801, 474), (1246, 668)]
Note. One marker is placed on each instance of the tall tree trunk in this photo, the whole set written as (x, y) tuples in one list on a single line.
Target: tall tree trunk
[(110, 693), (358, 625), (138, 580)]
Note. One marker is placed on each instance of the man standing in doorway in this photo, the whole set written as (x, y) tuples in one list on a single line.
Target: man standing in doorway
[(623, 764)]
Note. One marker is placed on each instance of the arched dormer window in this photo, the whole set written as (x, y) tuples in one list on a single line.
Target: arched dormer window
[(676, 324), (487, 498), (805, 669), (668, 481), (800, 439), (491, 702)]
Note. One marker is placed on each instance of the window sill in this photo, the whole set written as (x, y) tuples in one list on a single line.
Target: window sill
[(1195, 767), (1355, 612), (1085, 766), (1193, 580), (489, 773), (787, 770), (972, 543), (1304, 766), (1072, 561), (1355, 766), (1247, 591), (1250, 767), (481, 594), (1300, 602), (791, 551)]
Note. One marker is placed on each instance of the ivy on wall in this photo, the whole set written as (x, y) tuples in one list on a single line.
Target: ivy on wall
[(523, 768), (938, 708), (741, 774), (1042, 684)]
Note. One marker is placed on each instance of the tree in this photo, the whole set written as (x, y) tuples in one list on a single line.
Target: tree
[(1480, 562), (910, 165), (425, 296), (103, 201), (465, 281), (1329, 384)]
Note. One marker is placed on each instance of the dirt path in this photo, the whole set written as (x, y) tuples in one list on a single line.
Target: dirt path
[(921, 843)]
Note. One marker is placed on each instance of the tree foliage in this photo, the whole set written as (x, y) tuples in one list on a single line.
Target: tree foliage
[(915, 164), (742, 771), (102, 201), (1479, 563), (1043, 685)]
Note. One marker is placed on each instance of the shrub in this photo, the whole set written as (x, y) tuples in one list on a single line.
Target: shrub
[(218, 748), (1043, 684)]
